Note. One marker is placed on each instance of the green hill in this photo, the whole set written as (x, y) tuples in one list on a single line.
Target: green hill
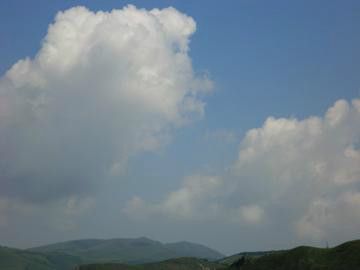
[(173, 264), (15, 259), (342, 257), (229, 260), (129, 251)]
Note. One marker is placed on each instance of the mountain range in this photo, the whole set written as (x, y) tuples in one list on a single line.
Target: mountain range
[(65, 255), (146, 254)]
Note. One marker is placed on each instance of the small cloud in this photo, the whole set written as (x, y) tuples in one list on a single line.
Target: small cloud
[(191, 201), (252, 214), (137, 208)]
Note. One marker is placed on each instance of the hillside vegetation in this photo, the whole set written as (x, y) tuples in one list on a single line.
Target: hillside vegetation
[(15, 259), (173, 264), (229, 260), (342, 257)]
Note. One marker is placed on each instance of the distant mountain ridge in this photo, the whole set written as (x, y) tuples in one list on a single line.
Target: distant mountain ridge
[(129, 250), (343, 257)]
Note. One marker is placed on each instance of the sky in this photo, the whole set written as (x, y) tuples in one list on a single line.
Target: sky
[(234, 125)]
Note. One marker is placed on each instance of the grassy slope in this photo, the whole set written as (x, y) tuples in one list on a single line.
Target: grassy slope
[(14, 259), (131, 251), (343, 257)]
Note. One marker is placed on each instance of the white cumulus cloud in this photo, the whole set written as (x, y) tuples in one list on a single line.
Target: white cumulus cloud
[(104, 86), (252, 214), (299, 176), (301, 169)]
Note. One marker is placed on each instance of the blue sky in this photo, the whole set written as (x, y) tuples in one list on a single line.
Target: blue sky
[(286, 59), (304, 52)]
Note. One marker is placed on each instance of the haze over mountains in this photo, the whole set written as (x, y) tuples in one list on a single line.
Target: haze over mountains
[(66, 255), (130, 250), (146, 254)]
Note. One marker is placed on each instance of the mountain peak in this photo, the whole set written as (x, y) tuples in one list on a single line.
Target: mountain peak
[(129, 250)]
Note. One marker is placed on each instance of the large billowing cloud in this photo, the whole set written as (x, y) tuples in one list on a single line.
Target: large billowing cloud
[(104, 86), (293, 175)]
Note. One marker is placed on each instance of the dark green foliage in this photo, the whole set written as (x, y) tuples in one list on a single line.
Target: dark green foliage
[(106, 266), (63, 261), (174, 264), (233, 258), (14, 259), (343, 257)]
